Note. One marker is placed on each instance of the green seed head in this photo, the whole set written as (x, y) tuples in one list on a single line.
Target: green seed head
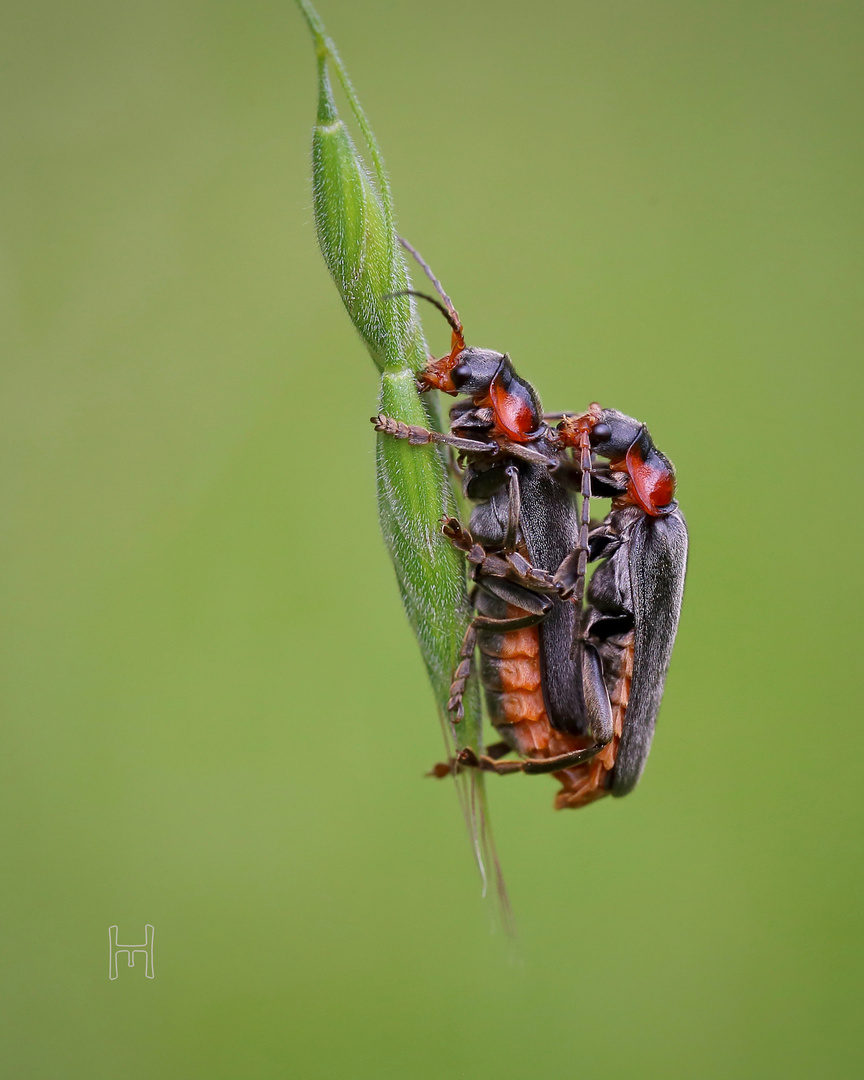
[(355, 237), (354, 219)]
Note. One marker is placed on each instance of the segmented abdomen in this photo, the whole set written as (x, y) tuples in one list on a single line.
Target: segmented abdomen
[(510, 671)]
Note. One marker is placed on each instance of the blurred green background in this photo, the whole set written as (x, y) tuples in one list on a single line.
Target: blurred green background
[(215, 716)]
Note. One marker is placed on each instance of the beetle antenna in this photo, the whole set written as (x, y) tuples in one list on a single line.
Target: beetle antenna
[(437, 372), (439, 288), (577, 433), (585, 464), (449, 314)]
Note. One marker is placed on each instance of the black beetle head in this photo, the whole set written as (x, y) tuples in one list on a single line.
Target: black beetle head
[(474, 370), (614, 434), (627, 445)]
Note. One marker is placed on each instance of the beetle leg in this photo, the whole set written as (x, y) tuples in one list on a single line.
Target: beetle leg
[(571, 569), (531, 766), (444, 768), (599, 715), (571, 573), (603, 484), (420, 436), (467, 759), (525, 453), (600, 543), (460, 675), (536, 608), (511, 566), (514, 505), (598, 708), (452, 766)]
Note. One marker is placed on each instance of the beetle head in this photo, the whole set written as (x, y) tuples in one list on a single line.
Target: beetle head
[(627, 445), (474, 369), (486, 376)]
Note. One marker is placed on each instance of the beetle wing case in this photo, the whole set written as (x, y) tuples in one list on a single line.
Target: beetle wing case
[(550, 529), (657, 560)]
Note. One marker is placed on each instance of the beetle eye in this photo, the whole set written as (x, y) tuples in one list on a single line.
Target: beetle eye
[(461, 374), (600, 433)]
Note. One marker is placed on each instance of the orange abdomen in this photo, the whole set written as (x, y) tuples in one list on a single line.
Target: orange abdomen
[(518, 711)]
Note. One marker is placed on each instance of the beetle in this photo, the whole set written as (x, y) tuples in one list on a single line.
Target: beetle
[(634, 596), (548, 700)]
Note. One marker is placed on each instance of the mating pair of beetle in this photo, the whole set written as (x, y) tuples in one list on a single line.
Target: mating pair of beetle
[(573, 689)]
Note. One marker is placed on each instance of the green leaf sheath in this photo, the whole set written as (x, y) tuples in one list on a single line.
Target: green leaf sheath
[(354, 220)]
